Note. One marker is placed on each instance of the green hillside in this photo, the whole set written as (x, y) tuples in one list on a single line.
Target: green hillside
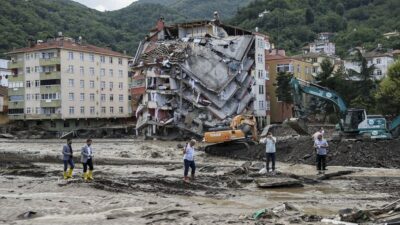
[(293, 23), (203, 9), (40, 19)]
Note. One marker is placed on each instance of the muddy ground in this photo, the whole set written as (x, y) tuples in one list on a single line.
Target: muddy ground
[(140, 182)]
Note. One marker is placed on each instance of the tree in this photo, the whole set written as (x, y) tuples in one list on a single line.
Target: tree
[(388, 95), (340, 9), (309, 16), (283, 89), (326, 72)]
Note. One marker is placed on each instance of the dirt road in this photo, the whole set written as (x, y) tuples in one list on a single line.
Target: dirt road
[(139, 182)]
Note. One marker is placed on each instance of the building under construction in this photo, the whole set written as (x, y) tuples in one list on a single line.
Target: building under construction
[(192, 77)]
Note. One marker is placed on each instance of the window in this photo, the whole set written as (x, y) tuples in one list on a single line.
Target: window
[(51, 96), (111, 97), (70, 55), (378, 61), (103, 109), (91, 84), (111, 60), (102, 84), (71, 82), (82, 56), (267, 105), (37, 83), (37, 96), (121, 98), (120, 85), (36, 55), (261, 89), (379, 72), (314, 60), (91, 96), (120, 73), (102, 59), (102, 72), (27, 56), (37, 110), (91, 71), (16, 98), (66, 124), (82, 83), (103, 97), (71, 96), (28, 83), (70, 69), (82, 109), (28, 97), (111, 72), (261, 105), (121, 109), (111, 85), (91, 110), (260, 74), (28, 110), (49, 111), (71, 110), (284, 68), (91, 57), (120, 61), (81, 71), (82, 96), (111, 109), (37, 69), (28, 69), (260, 58)]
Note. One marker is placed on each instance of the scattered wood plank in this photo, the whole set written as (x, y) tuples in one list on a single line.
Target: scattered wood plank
[(335, 174), (278, 182)]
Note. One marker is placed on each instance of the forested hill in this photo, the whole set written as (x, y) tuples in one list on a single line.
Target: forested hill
[(121, 30), (293, 23)]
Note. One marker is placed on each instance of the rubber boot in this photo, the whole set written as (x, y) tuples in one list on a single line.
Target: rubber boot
[(85, 176), (90, 175), (65, 175), (186, 179), (70, 173)]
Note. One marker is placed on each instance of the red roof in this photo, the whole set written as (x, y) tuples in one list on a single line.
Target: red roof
[(69, 45)]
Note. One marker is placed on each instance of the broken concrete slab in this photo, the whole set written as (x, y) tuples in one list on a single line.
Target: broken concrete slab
[(277, 182)]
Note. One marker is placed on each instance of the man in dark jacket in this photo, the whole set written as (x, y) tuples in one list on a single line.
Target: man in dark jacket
[(68, 159)]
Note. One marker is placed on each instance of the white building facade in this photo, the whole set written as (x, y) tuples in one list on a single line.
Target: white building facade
[(4, 72)]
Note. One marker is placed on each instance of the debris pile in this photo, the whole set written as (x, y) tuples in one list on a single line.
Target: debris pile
[(192, 76)]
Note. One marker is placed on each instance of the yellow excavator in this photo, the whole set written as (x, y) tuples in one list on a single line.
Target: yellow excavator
[(241, 134)]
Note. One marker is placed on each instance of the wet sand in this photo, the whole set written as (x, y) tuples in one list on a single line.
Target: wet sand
[(140, 182)]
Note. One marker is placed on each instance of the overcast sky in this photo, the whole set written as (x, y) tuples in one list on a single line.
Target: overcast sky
[(108, 5)]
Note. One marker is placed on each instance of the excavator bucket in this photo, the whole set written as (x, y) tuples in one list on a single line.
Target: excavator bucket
[(298, 125)]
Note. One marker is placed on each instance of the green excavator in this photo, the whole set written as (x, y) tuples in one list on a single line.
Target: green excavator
[(353, 123)]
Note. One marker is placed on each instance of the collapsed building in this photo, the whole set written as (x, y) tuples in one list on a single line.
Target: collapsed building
[(194, 76)]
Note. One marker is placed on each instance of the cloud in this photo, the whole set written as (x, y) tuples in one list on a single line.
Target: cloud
[(108, 5)]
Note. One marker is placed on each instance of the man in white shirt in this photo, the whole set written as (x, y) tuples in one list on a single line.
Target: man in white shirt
[(188, 160), (321, 146), (270, 150)]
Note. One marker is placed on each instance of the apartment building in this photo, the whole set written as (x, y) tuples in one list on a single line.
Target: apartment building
[(261, 75), (63, 84), (277, 61), (316, 60), (195, 76)]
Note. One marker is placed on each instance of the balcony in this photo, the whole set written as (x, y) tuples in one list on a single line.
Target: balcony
[(15, 64), (51, 116), (16, 91), (16, 116), (19, 77), (50, 75), (48, 62), (16, 105), (50, 103), (50, 89)]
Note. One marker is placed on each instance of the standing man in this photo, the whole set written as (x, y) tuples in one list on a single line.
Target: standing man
[(68, 159), (270, 150), (188, 160), (321, 145), (87, 160)]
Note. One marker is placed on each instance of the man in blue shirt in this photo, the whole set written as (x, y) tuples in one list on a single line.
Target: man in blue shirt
[(321, 145)]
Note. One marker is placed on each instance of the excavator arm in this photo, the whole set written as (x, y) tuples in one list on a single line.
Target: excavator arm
[(301, 87)]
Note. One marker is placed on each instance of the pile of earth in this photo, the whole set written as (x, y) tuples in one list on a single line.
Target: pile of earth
[(384, 153)]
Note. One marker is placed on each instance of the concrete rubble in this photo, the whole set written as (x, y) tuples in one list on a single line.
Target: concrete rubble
[(192, 76)]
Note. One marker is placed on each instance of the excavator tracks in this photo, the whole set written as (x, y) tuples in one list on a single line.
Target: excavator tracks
[(228, 148)]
